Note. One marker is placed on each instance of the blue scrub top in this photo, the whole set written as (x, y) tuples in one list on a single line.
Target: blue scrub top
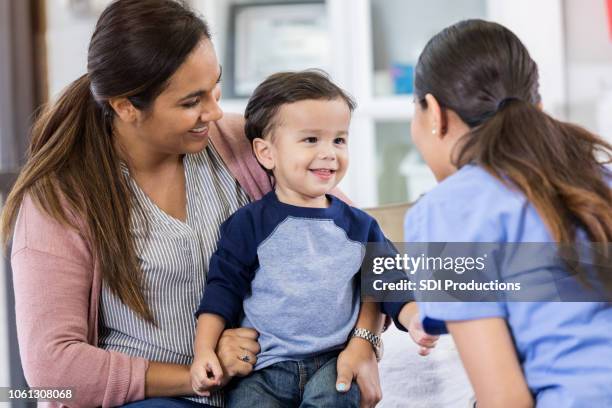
[(565, 348)]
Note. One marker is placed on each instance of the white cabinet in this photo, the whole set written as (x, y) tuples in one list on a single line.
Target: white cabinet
[(373, 46)]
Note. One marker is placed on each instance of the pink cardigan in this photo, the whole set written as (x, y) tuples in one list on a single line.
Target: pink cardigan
[(57, 290)]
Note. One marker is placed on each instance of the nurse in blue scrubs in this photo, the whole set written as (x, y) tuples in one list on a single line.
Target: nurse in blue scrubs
[(508, 172)]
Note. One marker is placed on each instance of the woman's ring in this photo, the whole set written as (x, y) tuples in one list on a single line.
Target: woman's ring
[(245, 358)]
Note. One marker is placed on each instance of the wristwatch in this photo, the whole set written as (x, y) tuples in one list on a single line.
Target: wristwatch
[(375, 340)]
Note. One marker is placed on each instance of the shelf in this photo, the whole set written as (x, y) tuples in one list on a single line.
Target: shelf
[(392, 108), (398, 107)]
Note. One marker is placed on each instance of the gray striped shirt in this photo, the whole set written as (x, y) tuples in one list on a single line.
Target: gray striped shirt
[(174, 259)]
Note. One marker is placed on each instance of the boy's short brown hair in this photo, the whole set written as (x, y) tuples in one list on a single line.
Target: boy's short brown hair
[(287, 87)]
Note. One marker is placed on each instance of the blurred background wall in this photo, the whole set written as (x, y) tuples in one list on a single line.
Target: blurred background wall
[(370, 47)]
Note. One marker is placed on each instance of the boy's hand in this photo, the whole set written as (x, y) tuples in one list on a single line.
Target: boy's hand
[(420, 337), (409, 318), (206, 373)]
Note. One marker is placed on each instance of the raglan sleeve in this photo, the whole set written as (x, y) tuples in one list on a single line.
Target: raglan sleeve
[(231, 269)]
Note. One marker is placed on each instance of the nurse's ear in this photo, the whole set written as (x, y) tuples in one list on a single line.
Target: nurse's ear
[(435, 116)]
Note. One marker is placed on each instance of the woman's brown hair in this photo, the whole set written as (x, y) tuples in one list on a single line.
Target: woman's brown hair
[(73, 169), (483, 72)]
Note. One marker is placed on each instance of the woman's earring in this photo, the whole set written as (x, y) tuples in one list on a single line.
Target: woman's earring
[(433, 131)]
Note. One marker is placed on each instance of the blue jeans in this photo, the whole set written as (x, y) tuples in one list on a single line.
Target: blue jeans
[(166, 402), (307, 383)]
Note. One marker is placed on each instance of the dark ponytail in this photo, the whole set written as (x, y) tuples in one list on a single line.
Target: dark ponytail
[(483, 72)]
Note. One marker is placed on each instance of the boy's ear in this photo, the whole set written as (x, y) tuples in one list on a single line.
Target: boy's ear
[(263, 152)]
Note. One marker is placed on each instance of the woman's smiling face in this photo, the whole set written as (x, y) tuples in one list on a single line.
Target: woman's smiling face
[(178, 120)]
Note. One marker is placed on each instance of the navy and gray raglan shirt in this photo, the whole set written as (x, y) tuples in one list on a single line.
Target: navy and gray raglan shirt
[(292, 274)]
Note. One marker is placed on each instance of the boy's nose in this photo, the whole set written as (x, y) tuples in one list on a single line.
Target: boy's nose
[(327, 153)]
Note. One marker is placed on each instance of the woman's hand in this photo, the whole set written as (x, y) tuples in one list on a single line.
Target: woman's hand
[(237, 350), (358, 362)]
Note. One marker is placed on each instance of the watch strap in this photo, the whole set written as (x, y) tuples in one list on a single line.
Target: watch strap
[(374, 339)]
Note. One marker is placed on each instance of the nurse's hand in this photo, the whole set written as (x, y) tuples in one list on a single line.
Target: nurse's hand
[(358, 362), (409, 318), (237, 350)]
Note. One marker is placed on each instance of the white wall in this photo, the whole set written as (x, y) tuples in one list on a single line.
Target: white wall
[(67, 39), (589, 65)]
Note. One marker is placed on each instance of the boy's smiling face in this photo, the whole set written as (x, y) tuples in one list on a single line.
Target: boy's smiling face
[(307, 150)]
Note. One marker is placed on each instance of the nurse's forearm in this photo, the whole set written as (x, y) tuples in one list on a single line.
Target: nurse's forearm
[(487, 351), (167, 380)]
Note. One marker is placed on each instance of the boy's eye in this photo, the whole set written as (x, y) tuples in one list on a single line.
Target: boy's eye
[(340, 140), (311, 139), (191, 103)]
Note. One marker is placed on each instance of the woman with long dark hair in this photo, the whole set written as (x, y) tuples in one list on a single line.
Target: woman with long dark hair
[(510, 173), (117, 210)]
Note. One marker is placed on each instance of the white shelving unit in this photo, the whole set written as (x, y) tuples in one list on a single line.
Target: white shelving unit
[(361, 31)]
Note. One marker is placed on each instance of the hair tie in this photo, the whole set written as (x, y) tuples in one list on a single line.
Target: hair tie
[(504, 102)]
